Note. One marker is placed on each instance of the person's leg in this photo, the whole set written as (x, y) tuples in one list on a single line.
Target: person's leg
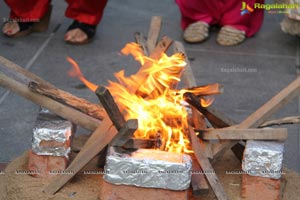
[(23, 14), (196, 16), (194, 10), (86, 14), (238, 25)]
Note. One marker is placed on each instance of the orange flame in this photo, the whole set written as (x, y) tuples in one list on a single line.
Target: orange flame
[(76, 72), (148, 96)]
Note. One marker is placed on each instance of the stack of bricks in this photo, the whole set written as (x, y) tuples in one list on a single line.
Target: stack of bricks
[(262, 164), (51, 145), (146, 174)]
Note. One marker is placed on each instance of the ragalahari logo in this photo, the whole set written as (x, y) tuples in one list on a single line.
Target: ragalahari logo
[(246, 8)]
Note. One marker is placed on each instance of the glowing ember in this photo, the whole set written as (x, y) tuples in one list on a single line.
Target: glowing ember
[(149, 97)]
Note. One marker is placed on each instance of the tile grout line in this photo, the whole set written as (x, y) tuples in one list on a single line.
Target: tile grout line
[(34, 58)]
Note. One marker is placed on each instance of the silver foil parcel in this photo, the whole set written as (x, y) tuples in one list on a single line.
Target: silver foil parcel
[(263, 158), (148, 168), (52, 135)]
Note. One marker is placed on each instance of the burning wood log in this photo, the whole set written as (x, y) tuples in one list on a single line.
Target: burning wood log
[(125, 132), (135, 143), (243, 134), (116, 117), (218, 120), (104, 134), (199, 183), (153, 33), (162, 46), (110, 106), (207, 90), (212, 118), (139, 39)]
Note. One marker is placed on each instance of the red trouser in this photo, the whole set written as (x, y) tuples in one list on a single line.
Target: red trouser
[(222, 12), (86, 11)]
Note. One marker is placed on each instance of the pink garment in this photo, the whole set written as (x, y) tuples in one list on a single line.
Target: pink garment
[(222, 12), (86, 11)]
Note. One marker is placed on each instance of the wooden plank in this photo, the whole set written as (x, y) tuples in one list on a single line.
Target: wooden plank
[(153, 33), (215, 120), (206, 166), (218, 120), (260, 115), (66, 112), (140, 39), (135, 143), (110, 106), (188, 77), (93, 110), (244, 134), (206, 90), (198, 181), (238, 150), (16, 68), (125, 133), (282, 121), (23, 76), (116, 117), (270, 107)]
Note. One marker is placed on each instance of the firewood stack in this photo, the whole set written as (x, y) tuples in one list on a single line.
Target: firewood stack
[(208, 140)]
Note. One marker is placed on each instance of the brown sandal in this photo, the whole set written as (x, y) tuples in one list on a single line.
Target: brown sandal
[(229, 36), (25, 28), (196, 32)]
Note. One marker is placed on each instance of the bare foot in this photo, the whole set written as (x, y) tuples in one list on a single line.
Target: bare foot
[(10, 28), (76, 36)]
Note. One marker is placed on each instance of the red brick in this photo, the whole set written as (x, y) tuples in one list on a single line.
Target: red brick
[(54, 144), (260, 188), (116, 192), (45, 164)]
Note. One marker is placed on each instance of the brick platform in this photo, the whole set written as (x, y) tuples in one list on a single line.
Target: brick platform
[(45, 164), (124, 192), (259, 188)]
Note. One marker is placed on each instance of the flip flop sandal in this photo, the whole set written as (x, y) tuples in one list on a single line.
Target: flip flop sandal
[(26, 28), (196, 32), (229, 36), (89, 30)]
